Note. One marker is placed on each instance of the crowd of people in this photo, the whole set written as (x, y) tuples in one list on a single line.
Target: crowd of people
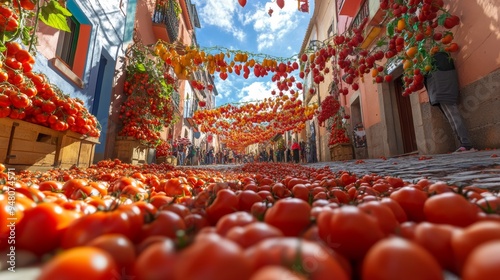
[(188, 154)]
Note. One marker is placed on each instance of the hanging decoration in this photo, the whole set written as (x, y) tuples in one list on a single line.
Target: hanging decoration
[(415, 31)]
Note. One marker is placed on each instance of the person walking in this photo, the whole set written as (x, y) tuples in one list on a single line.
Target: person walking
[(271, 154), (295, 151), (443, 89), (302, 151)]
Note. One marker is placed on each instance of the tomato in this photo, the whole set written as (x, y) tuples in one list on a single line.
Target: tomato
[(450, 208), (489, 204), (349, 231), (195, 222), (157, 261), (252, 233), (436, 239), (236, 219), (291, 216), (23, 56), (384, 215), (307, 257), (276, 272), (412, 201), (80, 263), (465, 241), (246, 199), (399, 213), (225, 202), (212, 257), (398, 258), (4, 112), (4, 100), (120, 248), (20, 100), (483, 262), (165, 223), (12, 47), (88, 227), (50, 217)]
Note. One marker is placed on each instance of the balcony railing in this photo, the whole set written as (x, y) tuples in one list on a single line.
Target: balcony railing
[(176, 99), (165, 14), (364, 12), (193, 13)]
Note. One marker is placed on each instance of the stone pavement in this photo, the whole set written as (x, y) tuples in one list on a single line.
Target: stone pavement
[(481, 169)]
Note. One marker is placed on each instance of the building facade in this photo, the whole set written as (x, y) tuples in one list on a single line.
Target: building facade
[(83, 63), (395, 124)]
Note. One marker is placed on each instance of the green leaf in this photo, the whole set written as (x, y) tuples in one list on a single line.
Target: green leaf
[(442, 18), (140, 67), (390, 28), (54, 15)]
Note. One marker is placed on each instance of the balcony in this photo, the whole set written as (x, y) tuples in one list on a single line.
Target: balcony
[(165, 21), (348, 7), (176, 100), (364, 12)]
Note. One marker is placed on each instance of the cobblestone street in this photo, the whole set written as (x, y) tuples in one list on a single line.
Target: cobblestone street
[(481, 168)]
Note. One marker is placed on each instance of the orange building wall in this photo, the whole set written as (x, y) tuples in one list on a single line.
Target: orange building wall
[(143, 22), (478, 36)]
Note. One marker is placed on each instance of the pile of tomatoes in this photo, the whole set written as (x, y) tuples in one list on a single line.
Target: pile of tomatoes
[(258, 221), (29, 96)]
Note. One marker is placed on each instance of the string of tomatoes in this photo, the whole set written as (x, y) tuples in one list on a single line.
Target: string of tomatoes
[(413, 36)]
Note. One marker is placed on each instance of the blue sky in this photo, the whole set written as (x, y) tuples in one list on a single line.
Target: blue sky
[(226, 24)]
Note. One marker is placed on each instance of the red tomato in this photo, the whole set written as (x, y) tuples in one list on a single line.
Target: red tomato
[(398, 258), (157, 261), (224, 203), (396, 209), (291, 216), (450, 208), (195, 222), (436, 239), (349, 231), (212, 257), (310, 258), (465, 241), (88, 227), (246, 199), (384, 215), (50, 217), (120, 248), (80, 263), (483, 262), (276, 272), (236, 219), (412, 201), (166, 223), (253, 233)]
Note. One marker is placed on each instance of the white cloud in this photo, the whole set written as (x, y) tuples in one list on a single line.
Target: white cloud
[(221, 14), (256, 91), (272, 29)]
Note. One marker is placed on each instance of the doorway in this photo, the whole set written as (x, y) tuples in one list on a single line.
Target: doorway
[(405, 117)]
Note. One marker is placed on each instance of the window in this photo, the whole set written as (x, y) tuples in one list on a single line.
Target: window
[(66, 48), (73, 47)]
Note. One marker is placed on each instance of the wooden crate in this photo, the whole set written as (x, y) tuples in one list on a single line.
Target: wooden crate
[(130, 150), (28, 144), (5, 131), (75, 150), (341, 152)]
